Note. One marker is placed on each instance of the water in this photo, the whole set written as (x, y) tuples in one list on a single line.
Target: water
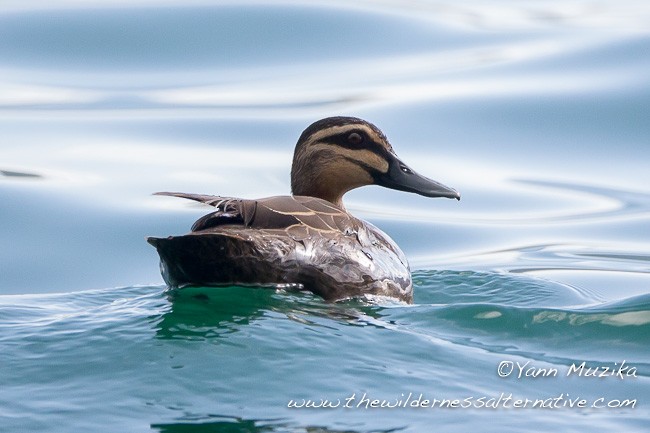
[(536, 113)]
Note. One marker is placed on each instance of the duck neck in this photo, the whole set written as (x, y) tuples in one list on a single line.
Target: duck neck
[(310, 178), (321, 191)]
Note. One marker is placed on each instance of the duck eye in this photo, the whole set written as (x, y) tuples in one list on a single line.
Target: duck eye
[(355, 138)]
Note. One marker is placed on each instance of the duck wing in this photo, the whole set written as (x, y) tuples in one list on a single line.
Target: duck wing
[(212, 200), (229, 210), (280, 212)]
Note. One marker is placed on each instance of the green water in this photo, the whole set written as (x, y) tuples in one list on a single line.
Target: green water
[(232, 359)]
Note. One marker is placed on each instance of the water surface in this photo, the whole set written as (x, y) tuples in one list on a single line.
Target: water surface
[(536, 113)]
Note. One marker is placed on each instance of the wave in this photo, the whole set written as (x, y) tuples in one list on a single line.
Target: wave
[(500, 312), (179, 352)]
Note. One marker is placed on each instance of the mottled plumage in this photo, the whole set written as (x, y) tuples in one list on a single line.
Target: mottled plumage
[(306, 241), (301, 242)]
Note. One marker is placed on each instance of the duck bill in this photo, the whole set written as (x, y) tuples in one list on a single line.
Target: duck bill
[(401, 177)]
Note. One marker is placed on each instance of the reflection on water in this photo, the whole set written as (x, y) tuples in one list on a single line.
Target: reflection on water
[(229, 425), (138, 358), (234, 425), (537, 112), (213, 312)]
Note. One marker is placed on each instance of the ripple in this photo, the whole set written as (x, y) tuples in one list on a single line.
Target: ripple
[(627, 202), (535, 111), (74, 61), (595, 273), (20, 174), (459, 287)]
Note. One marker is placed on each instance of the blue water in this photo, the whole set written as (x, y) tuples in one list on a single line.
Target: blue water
[(536, 112)]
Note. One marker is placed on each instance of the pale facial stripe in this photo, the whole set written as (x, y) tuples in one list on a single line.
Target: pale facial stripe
[(364, 156), (335, 130)]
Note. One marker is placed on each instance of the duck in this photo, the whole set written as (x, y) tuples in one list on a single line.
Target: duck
[(305, 241)]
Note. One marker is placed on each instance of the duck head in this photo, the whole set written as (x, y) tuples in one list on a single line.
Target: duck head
[(337, 154)]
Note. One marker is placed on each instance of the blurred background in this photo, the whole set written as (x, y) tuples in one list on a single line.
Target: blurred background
[(536, 112)]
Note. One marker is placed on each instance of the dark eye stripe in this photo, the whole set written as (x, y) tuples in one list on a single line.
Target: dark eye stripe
[(367, 143)]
